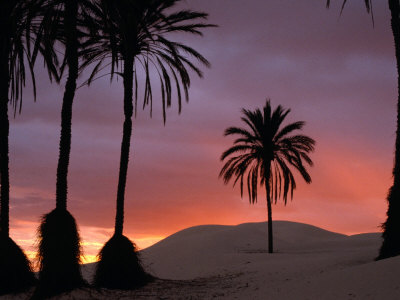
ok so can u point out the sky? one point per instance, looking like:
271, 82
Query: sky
337, 73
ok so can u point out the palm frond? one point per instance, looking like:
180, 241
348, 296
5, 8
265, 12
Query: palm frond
368, 6
234, 149
143, 30
265, 154
19, 23
288, 129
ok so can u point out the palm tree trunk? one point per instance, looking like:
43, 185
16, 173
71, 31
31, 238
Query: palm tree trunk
71, 52
391, 228
4, 162
126, 141
269, 206
4, 132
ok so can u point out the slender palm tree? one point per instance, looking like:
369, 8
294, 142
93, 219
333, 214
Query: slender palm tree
65, 23
266, 151
136, 35
16, 19
391, 227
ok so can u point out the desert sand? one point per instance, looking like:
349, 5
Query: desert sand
231, 262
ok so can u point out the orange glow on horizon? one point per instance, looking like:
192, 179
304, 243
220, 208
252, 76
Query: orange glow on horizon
92, 240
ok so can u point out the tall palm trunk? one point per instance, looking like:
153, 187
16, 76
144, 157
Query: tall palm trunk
4, 173
391, 234
59, 241
4, 123
126, 140
15, 271
71, 52
119, 266
269, 208
4, 133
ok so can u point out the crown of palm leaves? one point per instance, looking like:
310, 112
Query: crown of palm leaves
19, 22
267, 151
139, 29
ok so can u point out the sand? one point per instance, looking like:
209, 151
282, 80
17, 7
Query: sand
231, 262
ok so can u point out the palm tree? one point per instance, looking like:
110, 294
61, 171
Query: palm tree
136, 35
66, 22
266, 151
15, 24
391, 228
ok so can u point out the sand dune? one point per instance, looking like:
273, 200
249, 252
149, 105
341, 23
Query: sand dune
231, 262
213, 249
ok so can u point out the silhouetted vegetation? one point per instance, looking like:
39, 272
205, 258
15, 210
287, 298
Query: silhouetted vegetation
265, 153
64, 22
15, 26
15, 274
59, 254
391, 227
120, 269
134, 35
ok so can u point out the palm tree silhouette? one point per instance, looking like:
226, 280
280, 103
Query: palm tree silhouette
66, 22
391, 227
135, 36
15, 25
267, 152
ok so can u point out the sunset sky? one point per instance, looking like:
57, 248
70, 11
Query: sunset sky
336, 73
